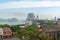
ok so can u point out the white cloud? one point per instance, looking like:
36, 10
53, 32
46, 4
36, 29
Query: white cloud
28, 4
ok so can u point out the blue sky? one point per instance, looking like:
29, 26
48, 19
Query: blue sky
26, 0
20, 8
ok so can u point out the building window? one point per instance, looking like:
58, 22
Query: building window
4, 32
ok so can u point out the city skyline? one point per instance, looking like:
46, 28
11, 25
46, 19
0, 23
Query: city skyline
20, 8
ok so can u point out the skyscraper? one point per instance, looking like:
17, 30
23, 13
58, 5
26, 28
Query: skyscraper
37, 18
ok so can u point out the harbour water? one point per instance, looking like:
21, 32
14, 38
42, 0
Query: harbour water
13, 23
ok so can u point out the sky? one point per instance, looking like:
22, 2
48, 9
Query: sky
46, 9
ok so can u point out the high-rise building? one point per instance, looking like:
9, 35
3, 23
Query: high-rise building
55, 19
13, 20
37, 18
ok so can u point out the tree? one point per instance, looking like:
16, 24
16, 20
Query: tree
4, 26
15, 34
50, 23
29, 34
15, 28
30, 27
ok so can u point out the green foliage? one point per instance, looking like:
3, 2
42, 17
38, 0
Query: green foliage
30, 35
15, 34
50, 23
31, 27
15, 28
29, 32
4, 26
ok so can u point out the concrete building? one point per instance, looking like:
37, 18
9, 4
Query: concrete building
58, 20
50, 31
